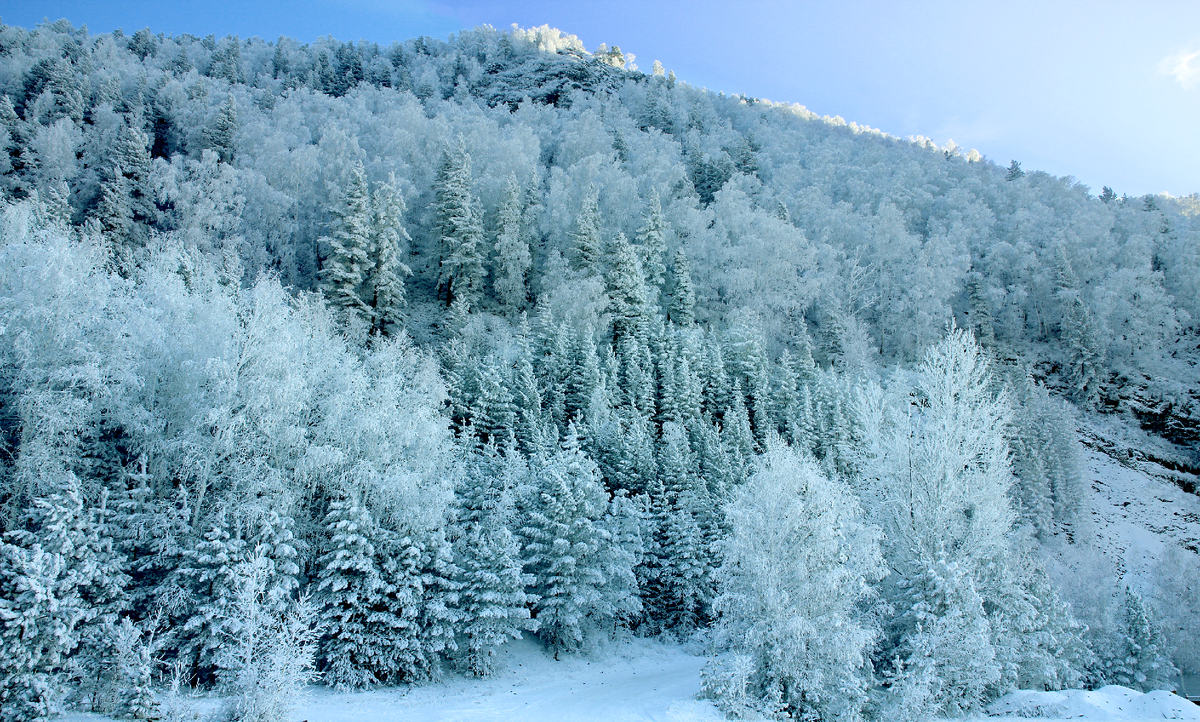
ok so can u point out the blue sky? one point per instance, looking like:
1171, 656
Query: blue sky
1107, 92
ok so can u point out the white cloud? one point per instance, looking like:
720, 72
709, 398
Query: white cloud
1184, 66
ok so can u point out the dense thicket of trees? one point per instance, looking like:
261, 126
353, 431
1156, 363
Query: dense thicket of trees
368, 359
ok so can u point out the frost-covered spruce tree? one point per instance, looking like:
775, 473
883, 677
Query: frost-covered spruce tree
492, 596
652, 243
351, 256
565, 546
351, 596
126, 678
1141, 661
1085, 356
459, 228
208, 571
39, 611
221, 133
1176, 599
688, 531
798, 563
1038, 642
440, 615
626, 285
512, 250
211, 570
948, 659
405, 657
682, 311
390, 242
1045, 459
493, 410
61, 584
588, 247
626, 523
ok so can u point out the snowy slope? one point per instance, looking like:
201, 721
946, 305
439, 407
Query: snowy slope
1137, 510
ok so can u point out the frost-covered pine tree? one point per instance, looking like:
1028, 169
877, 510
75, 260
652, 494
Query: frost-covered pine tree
459, 227
351, 256
209, 572
625, 282
512, 250
565, 545
492, 597
1085, 357
351, 597
390, 242
1045, 459
947, 661
40, 611
652, 243
588, 247
405, 656
61, 584
682, 311
1141, 661
214, 568
688, 531
220, 135
126, 679
798, 563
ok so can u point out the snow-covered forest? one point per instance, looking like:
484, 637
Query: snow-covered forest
359, 362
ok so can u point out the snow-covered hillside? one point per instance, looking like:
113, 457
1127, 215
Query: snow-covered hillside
366, 361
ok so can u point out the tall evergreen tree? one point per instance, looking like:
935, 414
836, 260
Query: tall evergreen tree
493, 600
566, 544
589, 248
351, 257
626, 286
390, 242
652, 243
221, 134
1085, 357
460, 228
358, 620
683, 296
62, 584
513, 260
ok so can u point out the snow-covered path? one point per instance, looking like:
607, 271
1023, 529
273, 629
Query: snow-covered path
640, 680
632, 680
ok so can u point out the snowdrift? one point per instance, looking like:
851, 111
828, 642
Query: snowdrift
1107, 703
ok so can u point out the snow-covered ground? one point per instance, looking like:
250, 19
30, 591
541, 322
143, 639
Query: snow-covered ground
636, 679
1115, 704
1135, 511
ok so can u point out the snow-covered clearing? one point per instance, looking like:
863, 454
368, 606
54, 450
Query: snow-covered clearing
637, 680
